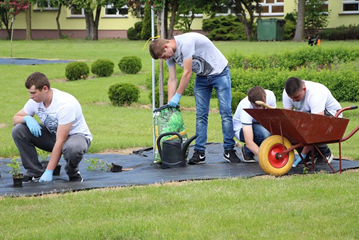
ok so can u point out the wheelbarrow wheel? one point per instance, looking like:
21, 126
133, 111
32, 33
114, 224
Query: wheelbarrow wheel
268, 156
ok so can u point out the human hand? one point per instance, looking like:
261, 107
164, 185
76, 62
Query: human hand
175, 100
46, 176
33, 125
298, 160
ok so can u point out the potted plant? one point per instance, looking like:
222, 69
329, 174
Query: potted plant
16, 172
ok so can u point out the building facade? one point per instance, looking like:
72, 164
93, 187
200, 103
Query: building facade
114, 23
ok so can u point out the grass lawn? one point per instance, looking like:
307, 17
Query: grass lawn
315, 206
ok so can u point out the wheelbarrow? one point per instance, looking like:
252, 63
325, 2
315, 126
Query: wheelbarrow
294, 129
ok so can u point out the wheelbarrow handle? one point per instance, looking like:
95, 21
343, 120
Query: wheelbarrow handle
344, 109
264, 104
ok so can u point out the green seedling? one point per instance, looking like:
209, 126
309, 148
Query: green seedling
96, 163
15, 166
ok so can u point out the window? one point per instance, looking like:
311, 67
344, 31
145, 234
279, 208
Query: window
272, 7
350, 6
111, 11
77, 12
48, 5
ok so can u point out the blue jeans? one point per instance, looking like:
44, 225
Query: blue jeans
202, 92
259, 135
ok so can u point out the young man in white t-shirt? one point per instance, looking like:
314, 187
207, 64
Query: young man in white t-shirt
246, 128
312, 97
195, 53
63, 130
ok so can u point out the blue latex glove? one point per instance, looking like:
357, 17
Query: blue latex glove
46, 176
33, 125
298, 160
175, 100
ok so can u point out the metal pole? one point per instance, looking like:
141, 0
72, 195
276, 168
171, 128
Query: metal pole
153, 79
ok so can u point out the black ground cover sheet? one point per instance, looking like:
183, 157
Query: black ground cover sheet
146, 172
29, 61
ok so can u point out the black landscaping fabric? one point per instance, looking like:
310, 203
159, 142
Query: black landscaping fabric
29, 61
146, 172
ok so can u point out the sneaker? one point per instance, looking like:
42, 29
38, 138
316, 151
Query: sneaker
246, 158
197, 158
328, 155
231, 156
76, 178
27, 179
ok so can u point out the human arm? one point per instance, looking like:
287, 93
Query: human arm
61, 137
31, 123
173, 95
248, 138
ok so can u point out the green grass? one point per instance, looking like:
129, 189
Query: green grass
315, 206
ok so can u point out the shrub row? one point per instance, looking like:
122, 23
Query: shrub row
350, 32
102, 68
294, 60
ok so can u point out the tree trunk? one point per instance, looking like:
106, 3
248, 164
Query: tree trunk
174, 10
5, 20
58, 22
88, 19
299, 31
95, 24
28, 24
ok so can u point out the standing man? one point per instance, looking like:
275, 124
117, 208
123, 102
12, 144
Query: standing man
312, 97
246, 128
194, 52
63, 130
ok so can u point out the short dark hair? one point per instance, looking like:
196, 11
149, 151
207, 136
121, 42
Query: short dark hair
293, 85
157, 47
37, 79
256, 93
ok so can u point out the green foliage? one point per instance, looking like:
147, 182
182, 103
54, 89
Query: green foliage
236, 98
122, 94
224, 28
146, 23
102, 67
290, 26
42, 154
95, 163
130, 64
157, 96
15, 167
133, 34
76, 71
316, 17
341, 33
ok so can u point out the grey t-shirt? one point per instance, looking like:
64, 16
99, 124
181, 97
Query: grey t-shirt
206, 58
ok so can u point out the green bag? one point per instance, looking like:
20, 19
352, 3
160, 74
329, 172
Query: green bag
167, 119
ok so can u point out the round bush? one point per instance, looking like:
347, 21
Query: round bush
130, 64
102, 67
123, 94
76, 71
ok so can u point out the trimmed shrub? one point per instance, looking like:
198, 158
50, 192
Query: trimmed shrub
102, 67
157, 96
341, 33
130, 64
224, 28
123, 94
76, 71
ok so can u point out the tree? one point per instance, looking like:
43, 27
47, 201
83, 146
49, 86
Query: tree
244, 10
316, 17
9, 9
299, 31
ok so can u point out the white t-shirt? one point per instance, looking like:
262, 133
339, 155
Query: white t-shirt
241, 117
317, 98
206, 58
63, 109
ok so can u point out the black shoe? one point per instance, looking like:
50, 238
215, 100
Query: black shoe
328, 155
197, 158
27, 179
231, 156
246, 158
76, 178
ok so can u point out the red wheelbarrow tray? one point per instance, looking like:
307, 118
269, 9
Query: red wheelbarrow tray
301, 127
